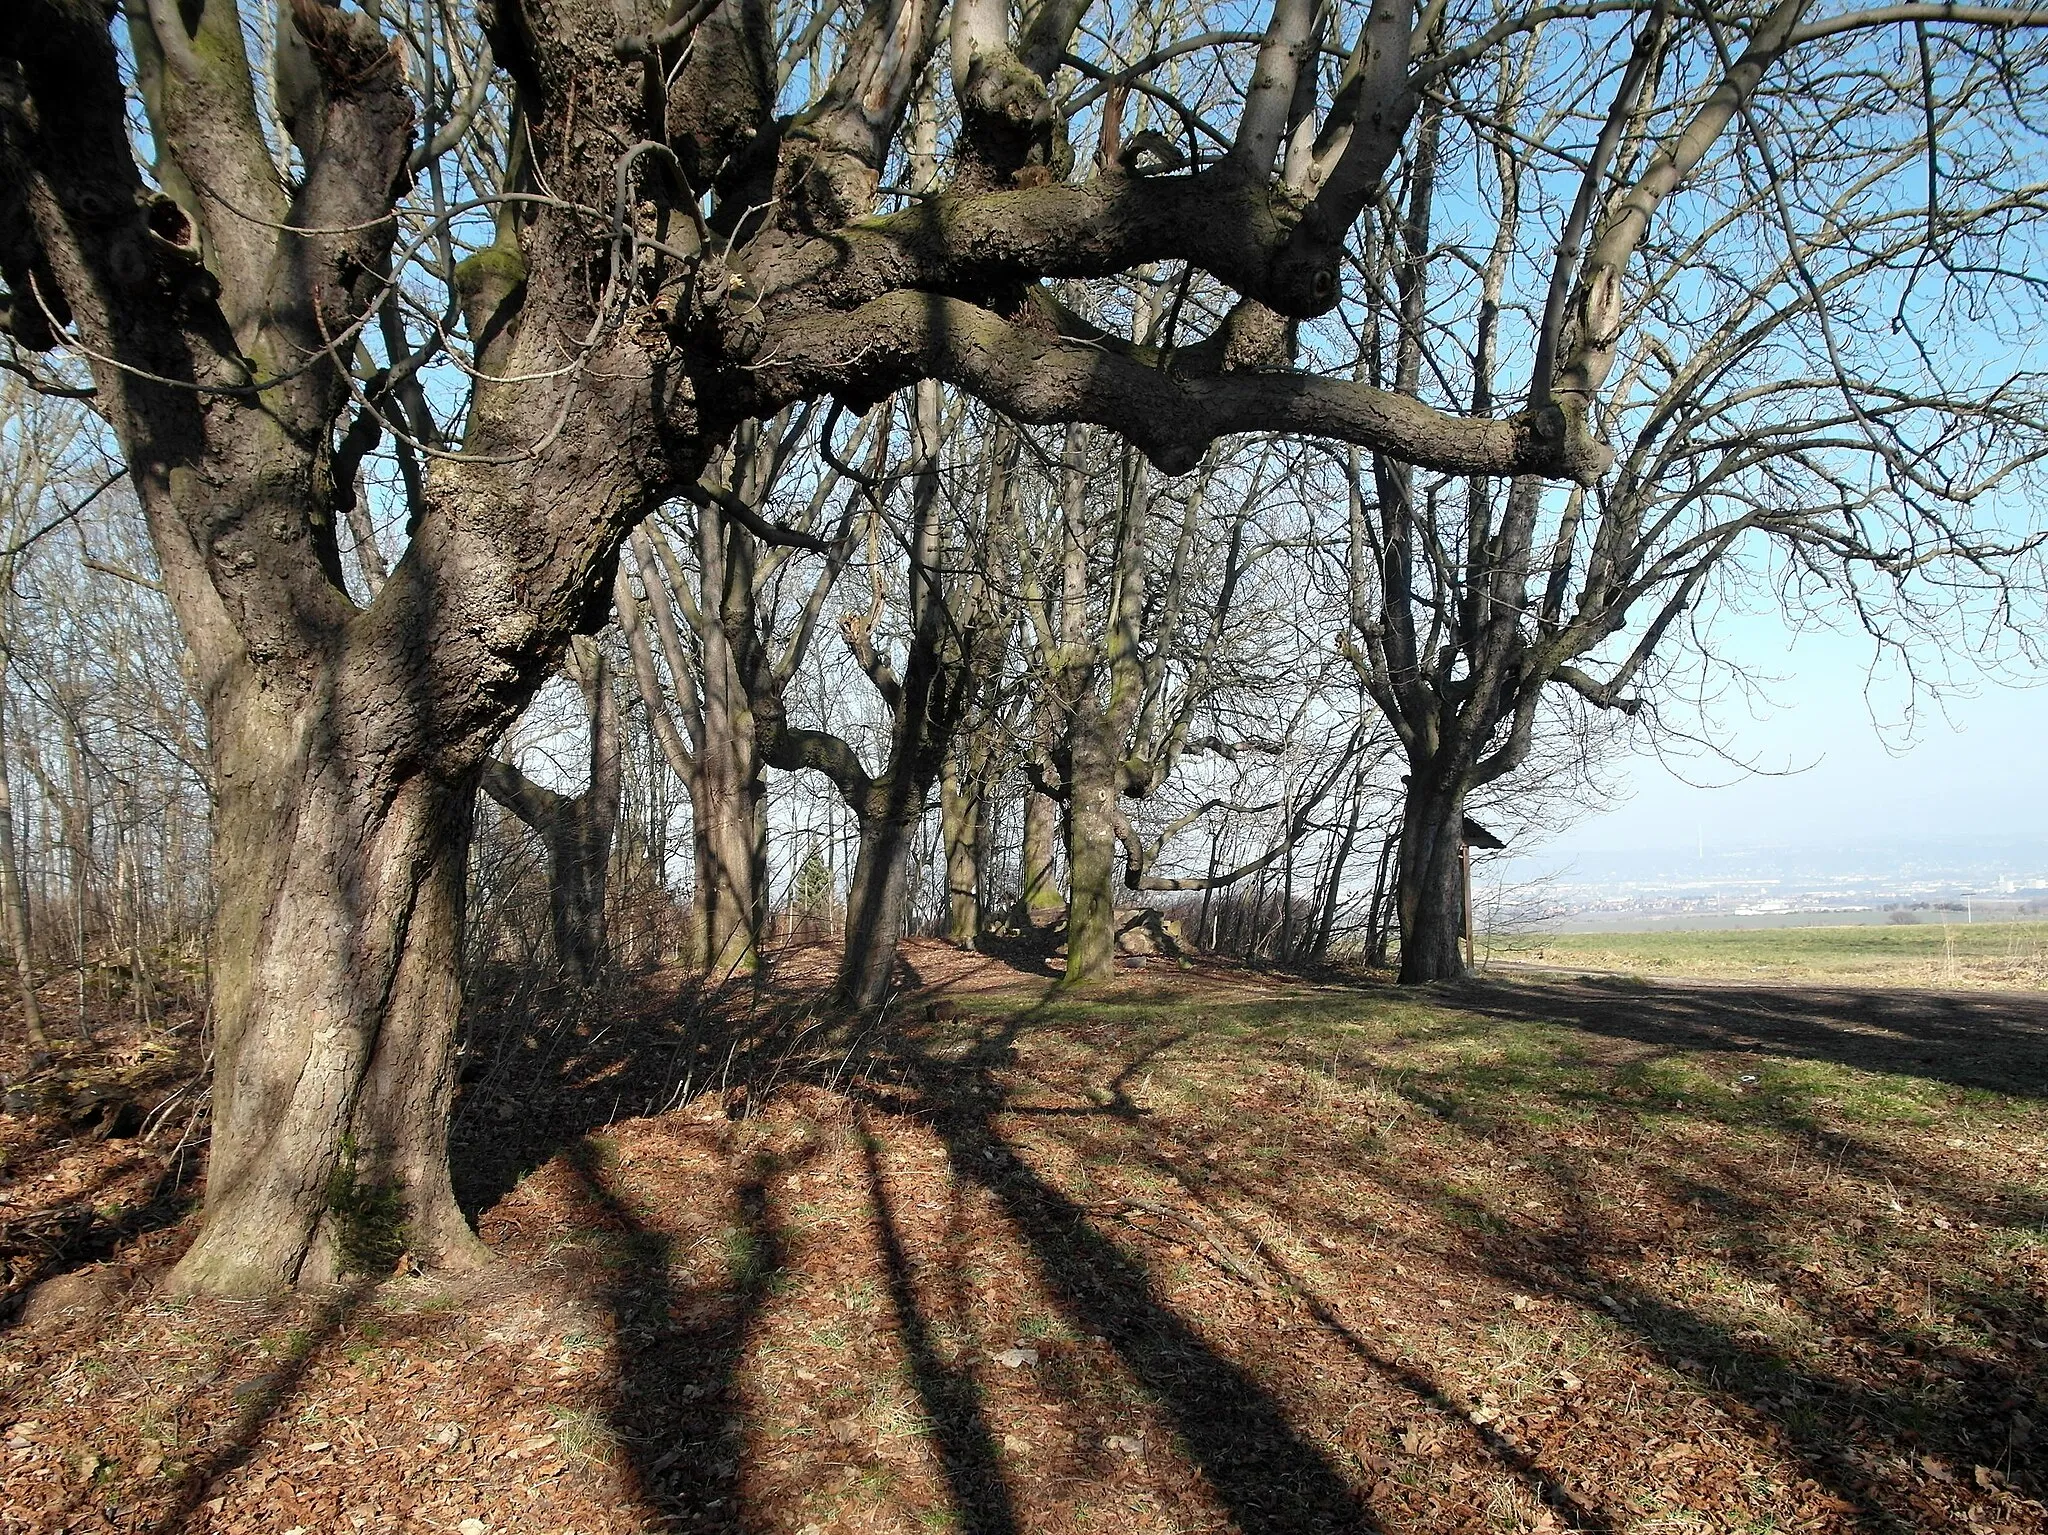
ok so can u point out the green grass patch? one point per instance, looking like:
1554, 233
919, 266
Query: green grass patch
1917, 953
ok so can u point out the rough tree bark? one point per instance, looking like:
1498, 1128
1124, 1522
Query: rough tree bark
1430, 891
1123, 718
877, 899
1093, 775
347, 742
962, 792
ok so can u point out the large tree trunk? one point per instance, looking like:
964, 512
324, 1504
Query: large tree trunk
337, 987
582, 845
579, 856
347, 739
1038, 888
726, 836
1091, 847
1431, 888
874, 909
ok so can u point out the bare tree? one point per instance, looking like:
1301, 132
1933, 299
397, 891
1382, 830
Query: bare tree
1139, 633
577, 828
663, 248
923, 700
722, 632
1803, 418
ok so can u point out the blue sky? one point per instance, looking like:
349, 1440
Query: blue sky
1970, 765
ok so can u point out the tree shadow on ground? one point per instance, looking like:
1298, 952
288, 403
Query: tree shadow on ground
1268, 1475
675, 1409
545, 1066
679, 1413
1939, 1403
1946, 1405
948, 1394
1988, 1041
263, 1403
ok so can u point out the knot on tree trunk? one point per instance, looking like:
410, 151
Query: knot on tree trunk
1007, 126
1562, 444
822, 186
349, 47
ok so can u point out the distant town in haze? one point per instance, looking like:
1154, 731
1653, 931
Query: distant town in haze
1879, 880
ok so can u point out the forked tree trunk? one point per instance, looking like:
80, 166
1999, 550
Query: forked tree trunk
1091, 847
577, 829
337, 987
874, 909
1431, 890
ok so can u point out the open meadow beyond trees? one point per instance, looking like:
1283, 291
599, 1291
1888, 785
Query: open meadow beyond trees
2002, 955
1207, 1250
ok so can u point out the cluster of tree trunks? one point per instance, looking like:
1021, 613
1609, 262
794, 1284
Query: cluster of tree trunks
675, 258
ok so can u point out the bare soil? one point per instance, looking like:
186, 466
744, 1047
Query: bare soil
1210, 1251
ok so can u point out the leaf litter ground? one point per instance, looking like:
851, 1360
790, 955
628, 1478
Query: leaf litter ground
1209, 1251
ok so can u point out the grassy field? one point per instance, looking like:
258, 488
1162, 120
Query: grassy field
1994, 954
1209, 1251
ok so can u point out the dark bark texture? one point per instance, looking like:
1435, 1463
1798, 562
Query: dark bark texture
1430, 889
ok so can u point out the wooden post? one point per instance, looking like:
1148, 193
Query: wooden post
1465, 857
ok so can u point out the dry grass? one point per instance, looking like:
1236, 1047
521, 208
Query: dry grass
1944, 955
1207, 1252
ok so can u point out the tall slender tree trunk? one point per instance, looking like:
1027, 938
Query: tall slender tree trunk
725, 813
960, 818
875, 906
337, 988
726, 794
1430, 887
78, 834
1091, 846
13, 904
1326, 924
1376, 923
1038, 889
1286, 939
